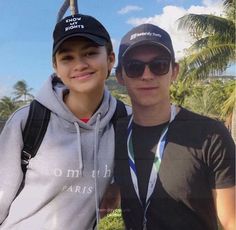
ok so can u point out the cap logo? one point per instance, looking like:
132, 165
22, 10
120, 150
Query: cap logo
73, 23
150, 34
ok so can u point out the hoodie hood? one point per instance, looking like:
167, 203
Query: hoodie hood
51, 96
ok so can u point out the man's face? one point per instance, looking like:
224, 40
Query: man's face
82, 65
150, 87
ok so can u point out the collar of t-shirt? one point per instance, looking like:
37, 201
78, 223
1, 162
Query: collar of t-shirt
85, 120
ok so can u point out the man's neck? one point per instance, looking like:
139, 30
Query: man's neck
153, 115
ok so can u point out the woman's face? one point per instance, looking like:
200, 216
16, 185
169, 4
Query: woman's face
82, 65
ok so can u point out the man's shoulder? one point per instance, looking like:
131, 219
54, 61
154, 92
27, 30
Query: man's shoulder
199, 124
193, 117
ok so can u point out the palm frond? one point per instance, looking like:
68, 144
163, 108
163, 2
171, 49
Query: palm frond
230, 103
229, 4
205, 23
210, 61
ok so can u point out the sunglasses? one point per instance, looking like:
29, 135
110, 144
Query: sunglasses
135, 68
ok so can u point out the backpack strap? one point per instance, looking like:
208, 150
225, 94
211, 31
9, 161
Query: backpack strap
35, 129
119, 112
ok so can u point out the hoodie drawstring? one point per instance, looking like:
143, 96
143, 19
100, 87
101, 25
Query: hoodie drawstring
96, 167
96, 133
79, 148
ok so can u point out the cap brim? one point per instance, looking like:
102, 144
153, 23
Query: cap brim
97, 40
146, 42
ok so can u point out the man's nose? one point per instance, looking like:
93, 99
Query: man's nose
147, 74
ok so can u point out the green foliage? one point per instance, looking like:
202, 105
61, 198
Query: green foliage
230, 102
113, 221
123, 97
117, 90
179, 91
113, 85
213, 98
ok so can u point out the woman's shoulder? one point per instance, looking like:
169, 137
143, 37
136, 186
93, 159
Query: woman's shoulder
19, 117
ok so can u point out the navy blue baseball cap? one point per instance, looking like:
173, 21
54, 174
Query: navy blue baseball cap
143, 35
79, 25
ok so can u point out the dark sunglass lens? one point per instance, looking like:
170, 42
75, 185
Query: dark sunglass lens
134, 68
160, 66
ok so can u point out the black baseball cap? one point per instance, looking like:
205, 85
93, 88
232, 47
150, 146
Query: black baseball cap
79, 25
143, 35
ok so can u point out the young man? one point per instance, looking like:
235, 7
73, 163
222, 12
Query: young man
66, 180
175, 168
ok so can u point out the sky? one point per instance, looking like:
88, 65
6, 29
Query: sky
27, 27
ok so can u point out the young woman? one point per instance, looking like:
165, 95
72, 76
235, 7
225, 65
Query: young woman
66, 180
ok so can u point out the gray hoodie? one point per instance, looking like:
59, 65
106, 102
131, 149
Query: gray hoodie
67, 178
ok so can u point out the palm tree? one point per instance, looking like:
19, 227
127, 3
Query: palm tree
21, 90
214, 48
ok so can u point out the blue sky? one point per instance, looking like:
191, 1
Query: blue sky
27, 26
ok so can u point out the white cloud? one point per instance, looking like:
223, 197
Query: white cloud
129, 9
168, 21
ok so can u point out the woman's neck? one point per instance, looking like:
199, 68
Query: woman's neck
83, 105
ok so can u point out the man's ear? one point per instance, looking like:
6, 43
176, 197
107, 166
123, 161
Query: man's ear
119, 76
111, 61
54, 64
175, 72
54, 67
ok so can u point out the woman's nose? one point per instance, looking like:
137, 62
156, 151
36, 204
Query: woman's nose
80, 63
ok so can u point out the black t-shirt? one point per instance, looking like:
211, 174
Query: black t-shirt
199, 156
145, 143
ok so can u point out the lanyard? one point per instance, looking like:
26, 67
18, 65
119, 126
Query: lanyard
156, 162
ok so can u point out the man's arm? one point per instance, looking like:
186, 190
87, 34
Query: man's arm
110, 201
225, 207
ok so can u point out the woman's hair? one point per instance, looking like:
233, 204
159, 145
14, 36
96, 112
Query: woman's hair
109, 48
